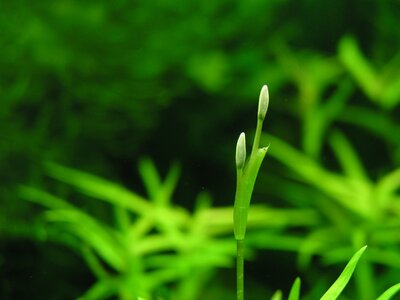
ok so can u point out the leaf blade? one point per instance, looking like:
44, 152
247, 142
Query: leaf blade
294, 293
390, 292
338, 286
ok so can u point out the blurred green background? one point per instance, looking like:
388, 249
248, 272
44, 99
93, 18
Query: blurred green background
123, 90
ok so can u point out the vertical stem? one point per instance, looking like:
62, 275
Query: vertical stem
240, 270
257, 136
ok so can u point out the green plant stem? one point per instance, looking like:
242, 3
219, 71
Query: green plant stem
257, 136
240, 270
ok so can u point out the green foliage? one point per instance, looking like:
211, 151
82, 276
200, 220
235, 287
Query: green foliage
95, 85
353, 209
151, 243
383, 88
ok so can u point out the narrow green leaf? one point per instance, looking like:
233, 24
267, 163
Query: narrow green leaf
150, 177
104, 241
277, 295
387, 187
389, 293
42, 198
102, 289
347, 157
122, 218
359, 67
340, 283
336, 186
391, 93
94, 263
244, 192
99, 188
320, 117
167, 188
295, 290
375, 122
158, 191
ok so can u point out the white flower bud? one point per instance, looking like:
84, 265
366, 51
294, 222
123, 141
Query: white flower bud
263, 103
241, 151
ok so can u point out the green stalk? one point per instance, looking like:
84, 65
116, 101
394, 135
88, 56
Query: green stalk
246, 178
257, 136
240, 269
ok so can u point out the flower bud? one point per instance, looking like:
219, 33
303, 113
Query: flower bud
263, 103
241, 151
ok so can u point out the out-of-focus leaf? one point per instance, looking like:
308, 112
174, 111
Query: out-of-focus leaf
122, 218
101, 238
277, 295
43, 198
387, 187
295, 290
100, 188
167, 188
94, 263
391, 94
316, 243
319, 118
102, 289
388, 257
379, 88
152, 243
348, 158
352, 58
351, 194
374, 121
150, 177
191, 286
274, 240
139, 228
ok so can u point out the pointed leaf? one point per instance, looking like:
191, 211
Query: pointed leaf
104, 240
43, 198
150, 177
99, 188
295, 290
346, 155
167, 188
340, 283
277, 295
389, 293
102, 289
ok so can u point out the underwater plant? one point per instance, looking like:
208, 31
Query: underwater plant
246, 176
154, 249
247, 172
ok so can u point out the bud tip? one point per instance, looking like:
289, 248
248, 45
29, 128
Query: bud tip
263, 102
241, 151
